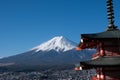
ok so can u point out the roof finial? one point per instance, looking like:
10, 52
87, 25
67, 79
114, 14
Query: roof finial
110, 14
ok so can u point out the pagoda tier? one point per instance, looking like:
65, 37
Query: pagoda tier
108, 68
107, 43
105, 61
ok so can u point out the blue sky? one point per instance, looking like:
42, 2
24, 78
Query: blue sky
25, 24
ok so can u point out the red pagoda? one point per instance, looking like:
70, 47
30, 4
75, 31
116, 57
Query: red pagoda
106, 60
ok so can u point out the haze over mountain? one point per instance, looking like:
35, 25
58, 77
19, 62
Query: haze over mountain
57, 51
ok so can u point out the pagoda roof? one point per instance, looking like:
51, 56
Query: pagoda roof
103, 62
106, 34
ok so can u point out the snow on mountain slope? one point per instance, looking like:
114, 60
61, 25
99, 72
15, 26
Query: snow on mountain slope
58, 44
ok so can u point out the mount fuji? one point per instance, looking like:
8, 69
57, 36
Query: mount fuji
57, 51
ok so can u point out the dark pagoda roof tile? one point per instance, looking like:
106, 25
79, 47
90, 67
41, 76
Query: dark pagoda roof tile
102, 61
105, 34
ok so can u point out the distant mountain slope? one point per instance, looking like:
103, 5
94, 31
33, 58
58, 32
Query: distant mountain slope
57, 51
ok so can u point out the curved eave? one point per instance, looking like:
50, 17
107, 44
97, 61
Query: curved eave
102, 62
103, 35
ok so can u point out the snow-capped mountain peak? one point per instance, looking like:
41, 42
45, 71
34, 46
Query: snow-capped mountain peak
58, 44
